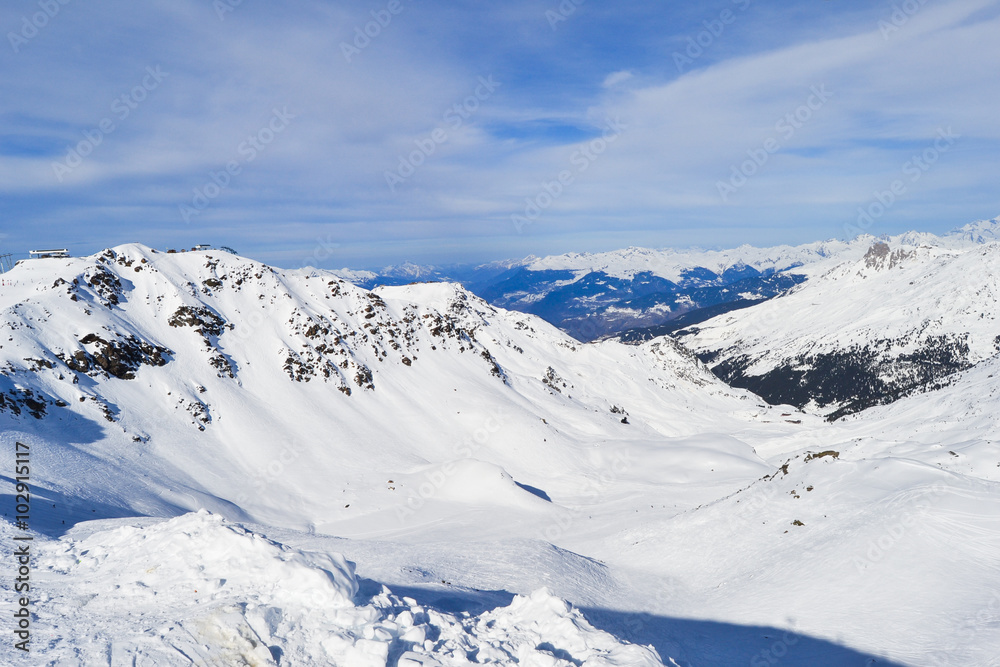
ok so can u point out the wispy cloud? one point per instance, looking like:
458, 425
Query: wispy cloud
615, 78
325, 174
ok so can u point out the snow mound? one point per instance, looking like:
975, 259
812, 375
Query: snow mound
202, 558
203, 591
546, 631
474, 482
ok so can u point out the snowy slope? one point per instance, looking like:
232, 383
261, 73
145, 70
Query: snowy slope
463, 455
199, 590
896, 502
137, 360
901, 318
954, 428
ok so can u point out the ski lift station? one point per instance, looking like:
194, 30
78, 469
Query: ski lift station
45, 254
7, 263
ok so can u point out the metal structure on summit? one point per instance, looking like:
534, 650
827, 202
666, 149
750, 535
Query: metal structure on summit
209, 246
59, 253
7, 261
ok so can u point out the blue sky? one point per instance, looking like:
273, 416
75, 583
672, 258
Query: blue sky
471, 131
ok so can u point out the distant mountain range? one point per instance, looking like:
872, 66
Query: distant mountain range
640, 293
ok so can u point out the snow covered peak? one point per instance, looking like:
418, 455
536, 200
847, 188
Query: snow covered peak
899, 317
354, 276
444, 296
982, 231
409, 270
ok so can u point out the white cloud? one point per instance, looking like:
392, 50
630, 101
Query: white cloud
615, 78
354, 120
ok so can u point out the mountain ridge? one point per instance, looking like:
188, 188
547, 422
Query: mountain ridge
642, 291
902, 318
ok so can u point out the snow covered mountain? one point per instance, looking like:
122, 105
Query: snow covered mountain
981, 231
140, 351
902, 318
641, 293
148, 383
594, 295
589, 304
480, 465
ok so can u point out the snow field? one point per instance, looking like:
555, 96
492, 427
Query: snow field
199, 590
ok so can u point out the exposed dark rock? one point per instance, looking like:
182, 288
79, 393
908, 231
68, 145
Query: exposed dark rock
119, 358
17, 400
202, 320
106, 284
880, 256
495, 369
364, 378
552, 380
209, 326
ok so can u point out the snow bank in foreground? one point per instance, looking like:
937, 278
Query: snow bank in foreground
198, 590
